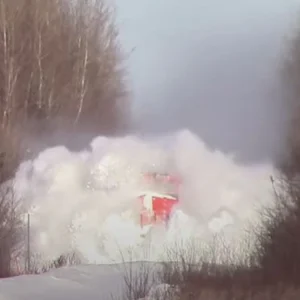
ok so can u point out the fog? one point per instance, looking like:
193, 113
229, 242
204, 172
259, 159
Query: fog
210, 66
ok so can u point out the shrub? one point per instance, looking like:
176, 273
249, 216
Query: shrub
10, 231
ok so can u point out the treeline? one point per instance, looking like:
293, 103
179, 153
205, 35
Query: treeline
60, 72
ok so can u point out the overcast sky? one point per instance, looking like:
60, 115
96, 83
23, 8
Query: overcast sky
210, 66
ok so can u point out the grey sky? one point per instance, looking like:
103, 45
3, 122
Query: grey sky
210, 66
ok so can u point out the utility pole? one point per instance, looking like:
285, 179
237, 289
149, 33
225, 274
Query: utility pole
28, 244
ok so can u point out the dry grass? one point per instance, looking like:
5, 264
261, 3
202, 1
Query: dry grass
269, 293
182, 279
64, 260
277, 252
139, 277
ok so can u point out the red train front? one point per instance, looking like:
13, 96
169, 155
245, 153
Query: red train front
158, 200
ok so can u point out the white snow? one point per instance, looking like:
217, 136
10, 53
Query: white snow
99, 282
76, 283
86, 202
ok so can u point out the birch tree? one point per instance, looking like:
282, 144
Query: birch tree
60, 71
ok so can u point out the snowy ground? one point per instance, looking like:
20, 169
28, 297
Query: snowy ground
71, 283
82, 282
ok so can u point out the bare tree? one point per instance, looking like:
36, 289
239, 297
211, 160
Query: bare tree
290, 163
278, 248
10, 230
60, 70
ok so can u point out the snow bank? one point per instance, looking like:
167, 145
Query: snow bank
74, 283
99, 282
